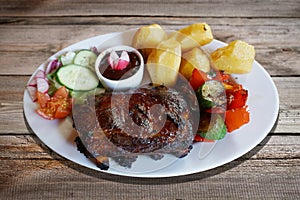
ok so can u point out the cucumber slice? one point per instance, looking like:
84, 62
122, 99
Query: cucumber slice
67, 58
212, 93
213, 127
86, 58
76, 77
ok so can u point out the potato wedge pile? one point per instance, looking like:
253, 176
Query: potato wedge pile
167, 55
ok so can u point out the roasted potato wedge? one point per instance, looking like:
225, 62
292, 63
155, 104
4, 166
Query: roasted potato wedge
195, 58
148, 37
235, 58
192, 36
164, 61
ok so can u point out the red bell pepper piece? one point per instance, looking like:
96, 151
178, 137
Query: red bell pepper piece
235, 118
198, 78
236, 98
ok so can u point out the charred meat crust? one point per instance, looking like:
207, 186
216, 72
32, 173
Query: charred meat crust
151, 120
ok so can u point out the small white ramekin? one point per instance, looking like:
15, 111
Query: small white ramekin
124, 84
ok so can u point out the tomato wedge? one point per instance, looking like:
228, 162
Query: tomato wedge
61, 92
42, 99
43, 113
64, 109
57, 107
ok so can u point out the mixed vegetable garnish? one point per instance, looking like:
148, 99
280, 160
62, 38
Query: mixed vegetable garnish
69, 76
222, 103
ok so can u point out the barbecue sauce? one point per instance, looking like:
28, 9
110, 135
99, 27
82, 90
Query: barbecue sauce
108, 72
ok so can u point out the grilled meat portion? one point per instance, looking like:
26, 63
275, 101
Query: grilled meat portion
150, 120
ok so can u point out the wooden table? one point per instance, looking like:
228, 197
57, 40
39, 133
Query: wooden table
31, 31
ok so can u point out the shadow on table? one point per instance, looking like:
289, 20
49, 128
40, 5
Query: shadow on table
179, 179
168, 180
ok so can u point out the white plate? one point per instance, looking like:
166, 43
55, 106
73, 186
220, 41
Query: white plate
263, 105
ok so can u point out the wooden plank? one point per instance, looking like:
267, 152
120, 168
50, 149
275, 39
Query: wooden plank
11, 105
24, 48
269, 8
224, 29
22, 147
287, 88
145, 20
288, 120
12, 118
32, 179
34, 171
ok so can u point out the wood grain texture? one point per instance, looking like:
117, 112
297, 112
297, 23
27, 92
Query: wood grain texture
144, 20
68, 183
228, 8
51, 179
260, 170
23, 49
